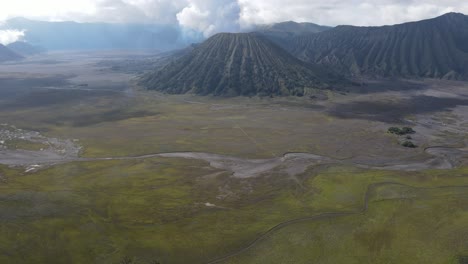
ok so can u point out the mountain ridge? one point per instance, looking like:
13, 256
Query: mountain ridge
7, 54
24, 49
70, 35
433, 48
291, 27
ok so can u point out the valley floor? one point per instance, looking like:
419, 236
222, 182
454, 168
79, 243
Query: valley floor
96, 170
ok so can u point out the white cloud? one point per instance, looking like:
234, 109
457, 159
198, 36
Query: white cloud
352, 12
46, 9
10, 36
211, 16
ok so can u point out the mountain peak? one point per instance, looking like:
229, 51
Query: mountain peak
234, 64
292, 27
452, 16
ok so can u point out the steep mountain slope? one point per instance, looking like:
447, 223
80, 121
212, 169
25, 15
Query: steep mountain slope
8, 55
237, 64
435, 48
24, 49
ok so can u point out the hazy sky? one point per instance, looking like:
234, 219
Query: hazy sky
212, 16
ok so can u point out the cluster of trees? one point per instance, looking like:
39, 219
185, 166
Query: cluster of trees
401, 132
408, 144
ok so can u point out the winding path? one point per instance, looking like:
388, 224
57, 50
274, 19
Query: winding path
443, 157
321, 216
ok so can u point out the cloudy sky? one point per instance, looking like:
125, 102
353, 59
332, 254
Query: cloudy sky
212, 16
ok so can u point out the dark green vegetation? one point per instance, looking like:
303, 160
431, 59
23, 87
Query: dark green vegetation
434, 48
408, 144
239, 64
401, 131
24, 49
8, 55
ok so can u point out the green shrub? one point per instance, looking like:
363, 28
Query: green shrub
401, 131
408, 144
408, 130
394, 130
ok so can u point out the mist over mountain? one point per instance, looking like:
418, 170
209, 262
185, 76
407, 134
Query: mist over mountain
25, 49
101, 36
433, 48
282, 33
289, 29
238, 64
8, 55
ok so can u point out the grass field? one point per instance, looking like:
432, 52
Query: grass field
101, 212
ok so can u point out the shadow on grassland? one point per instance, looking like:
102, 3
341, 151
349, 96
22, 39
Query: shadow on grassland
83, 120
369, 86
42, 98
395, 111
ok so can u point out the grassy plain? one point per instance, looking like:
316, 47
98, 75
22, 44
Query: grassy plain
154, 209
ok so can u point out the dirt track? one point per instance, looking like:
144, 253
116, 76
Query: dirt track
290, 163
321, 216
62, 151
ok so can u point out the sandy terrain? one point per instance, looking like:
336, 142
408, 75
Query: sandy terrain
437, 110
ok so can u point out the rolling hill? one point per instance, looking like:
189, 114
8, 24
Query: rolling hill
234, 64
24, 49
433, 48
8, 55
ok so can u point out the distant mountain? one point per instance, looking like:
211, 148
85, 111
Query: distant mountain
148, 63
290, 28
8, 55
284, 31
238, 64
24, 49
434, 48
101, 36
